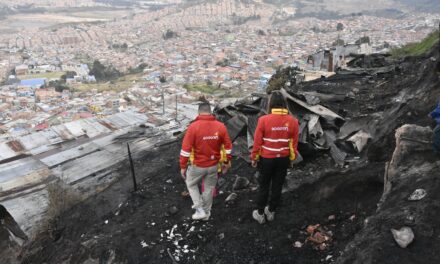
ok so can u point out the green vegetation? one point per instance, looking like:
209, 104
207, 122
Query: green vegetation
103, 73
415, 49
362, 40
281, 78
339, 42
120, 47
201, 87
169, 34
59, 87
223, 63
240, 20
340, 27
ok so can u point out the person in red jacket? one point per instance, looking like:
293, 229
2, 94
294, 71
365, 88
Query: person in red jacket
275, 144
202, 147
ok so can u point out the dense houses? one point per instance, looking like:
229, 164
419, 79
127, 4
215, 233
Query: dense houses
32, 105
207, 48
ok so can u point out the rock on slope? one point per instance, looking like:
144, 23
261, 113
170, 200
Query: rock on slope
413, 166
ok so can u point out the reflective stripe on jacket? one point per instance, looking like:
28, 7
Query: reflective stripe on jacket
276, 136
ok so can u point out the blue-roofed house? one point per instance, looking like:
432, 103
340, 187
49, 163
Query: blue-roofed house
34, 83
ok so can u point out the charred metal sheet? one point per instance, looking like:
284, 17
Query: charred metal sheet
313, 120
231, 112
248, 108
316, 109
298, 112
264, 105
359, 140
366, 123
235, 126
303, 132
314, 127
321, 143
337, 154
314, 98
252, 124
240, 148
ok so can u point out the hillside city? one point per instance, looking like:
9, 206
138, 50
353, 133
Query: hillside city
159, 59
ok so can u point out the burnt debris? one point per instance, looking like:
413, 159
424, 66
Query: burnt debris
321, 129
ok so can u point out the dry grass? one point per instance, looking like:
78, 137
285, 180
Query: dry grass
119, 85
61, 198
48, 75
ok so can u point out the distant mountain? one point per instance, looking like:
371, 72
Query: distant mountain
432, 6
326, 8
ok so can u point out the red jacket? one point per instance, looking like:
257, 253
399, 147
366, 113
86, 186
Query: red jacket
276, 136
203, 143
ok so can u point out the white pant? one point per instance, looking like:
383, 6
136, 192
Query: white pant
194, 176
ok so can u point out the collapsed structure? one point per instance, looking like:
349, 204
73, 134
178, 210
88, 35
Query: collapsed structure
320, 128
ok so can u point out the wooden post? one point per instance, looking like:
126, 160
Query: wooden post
132, 167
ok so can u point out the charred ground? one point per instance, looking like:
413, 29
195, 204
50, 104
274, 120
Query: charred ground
230, 237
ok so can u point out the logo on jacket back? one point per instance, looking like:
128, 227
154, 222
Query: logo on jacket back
214, 137
284, 128
280, 129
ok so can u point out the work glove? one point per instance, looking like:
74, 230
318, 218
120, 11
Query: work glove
298, 159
